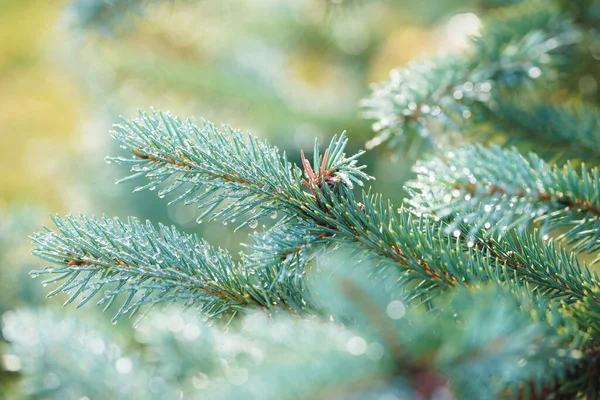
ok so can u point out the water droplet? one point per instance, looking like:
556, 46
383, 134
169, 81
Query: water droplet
114, 322
152, 188
274, 215
34, 275
456, 233
224, 222
253, 223
199, 220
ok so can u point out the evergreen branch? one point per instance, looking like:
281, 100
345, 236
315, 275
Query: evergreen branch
149, 266
214, 166
522, 378
435, 258
495, 189
464, 337
486, 341
255, 176
422, 250
546, 266
425, 253
573, 127
517, 45
286, 246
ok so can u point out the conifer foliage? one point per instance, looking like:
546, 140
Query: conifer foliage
475, 288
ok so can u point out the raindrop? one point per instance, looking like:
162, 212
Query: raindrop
253, 223
274, 215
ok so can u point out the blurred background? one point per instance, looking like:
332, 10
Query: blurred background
286, 70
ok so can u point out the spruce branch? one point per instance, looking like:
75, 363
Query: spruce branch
516, 46
545, 265
217, 166
422, 249
147, 266
285, 246
252, 175
573, 128
495, 189
490, 340
320, 209
433, 258
464, 337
